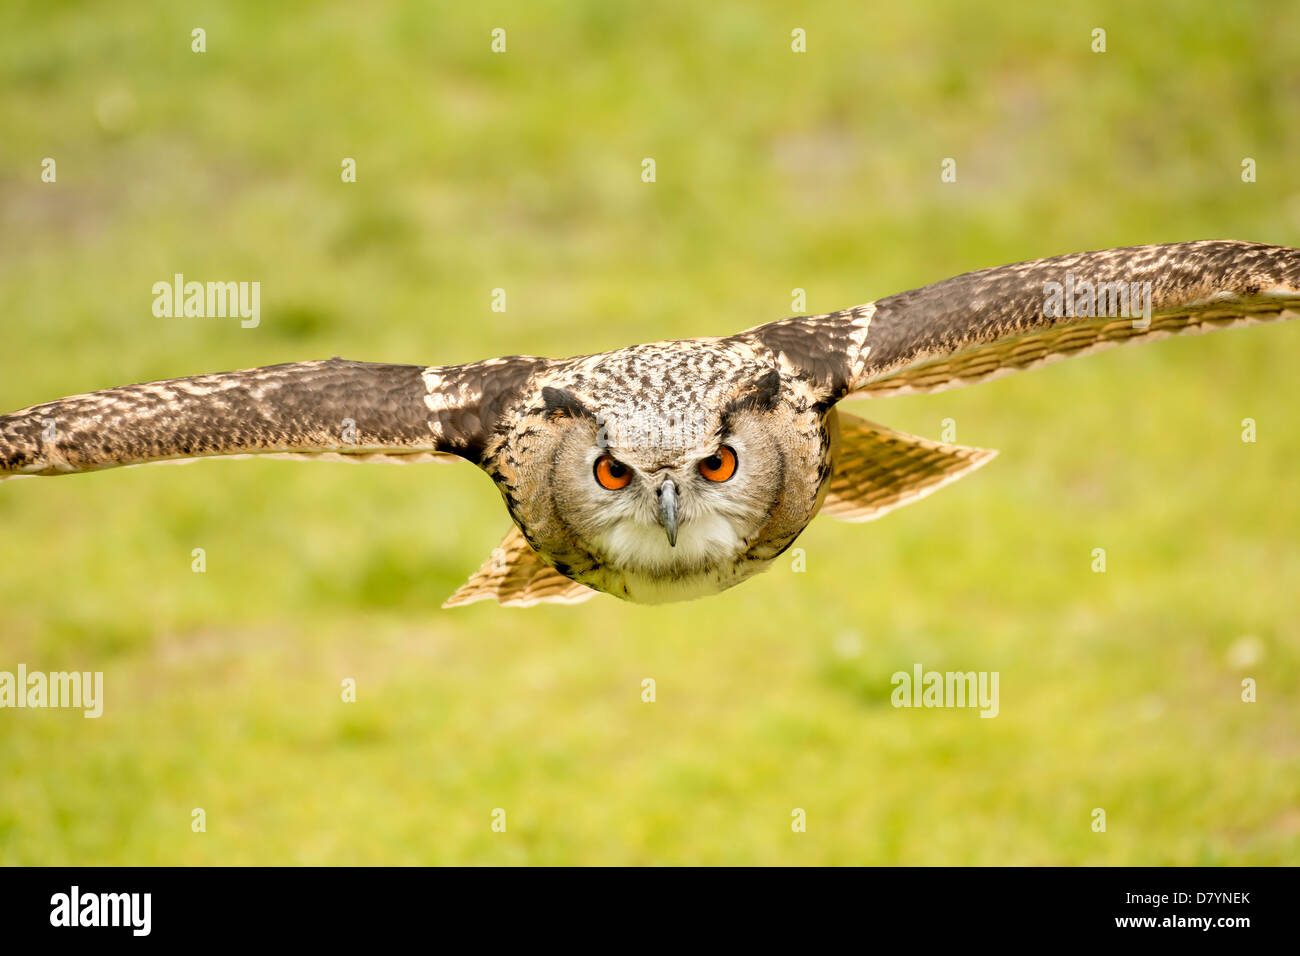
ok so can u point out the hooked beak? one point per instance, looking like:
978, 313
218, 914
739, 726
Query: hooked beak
668, 510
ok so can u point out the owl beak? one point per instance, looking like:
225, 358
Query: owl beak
668, 510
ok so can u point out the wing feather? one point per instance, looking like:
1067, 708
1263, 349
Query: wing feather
993, 322
516, 577
333, 409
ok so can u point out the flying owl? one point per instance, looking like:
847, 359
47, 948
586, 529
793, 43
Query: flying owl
673, 470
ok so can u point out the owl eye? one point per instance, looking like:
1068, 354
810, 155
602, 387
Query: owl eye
721, 466
612, 474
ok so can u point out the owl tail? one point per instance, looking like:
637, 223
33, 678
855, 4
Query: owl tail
878, 469
515, 576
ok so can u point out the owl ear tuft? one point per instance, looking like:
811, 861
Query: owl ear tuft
759, 395
562, 403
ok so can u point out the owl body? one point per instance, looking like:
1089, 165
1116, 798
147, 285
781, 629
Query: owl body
660, 411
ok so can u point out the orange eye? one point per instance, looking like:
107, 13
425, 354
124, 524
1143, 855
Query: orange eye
612, 474
721, 466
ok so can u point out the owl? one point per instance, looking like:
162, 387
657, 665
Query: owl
674, 470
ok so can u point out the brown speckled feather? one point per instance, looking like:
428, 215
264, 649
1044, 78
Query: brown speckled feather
330, 409
878, 469
990, 323
515, 576
986, 324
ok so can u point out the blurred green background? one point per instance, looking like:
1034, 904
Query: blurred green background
522, 171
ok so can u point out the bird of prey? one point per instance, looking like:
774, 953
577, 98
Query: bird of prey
674, 470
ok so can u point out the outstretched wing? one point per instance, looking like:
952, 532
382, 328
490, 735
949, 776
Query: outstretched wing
330, 409
990, 323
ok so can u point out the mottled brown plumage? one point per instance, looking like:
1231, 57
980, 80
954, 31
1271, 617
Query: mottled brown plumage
666, 413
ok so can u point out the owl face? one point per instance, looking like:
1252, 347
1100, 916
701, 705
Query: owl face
671, 500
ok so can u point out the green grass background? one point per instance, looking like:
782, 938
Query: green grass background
522, 171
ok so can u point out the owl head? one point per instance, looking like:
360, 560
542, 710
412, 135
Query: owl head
669, 492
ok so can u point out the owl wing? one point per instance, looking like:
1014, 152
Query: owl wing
516, 576
330, 409
987, 324
878, 469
